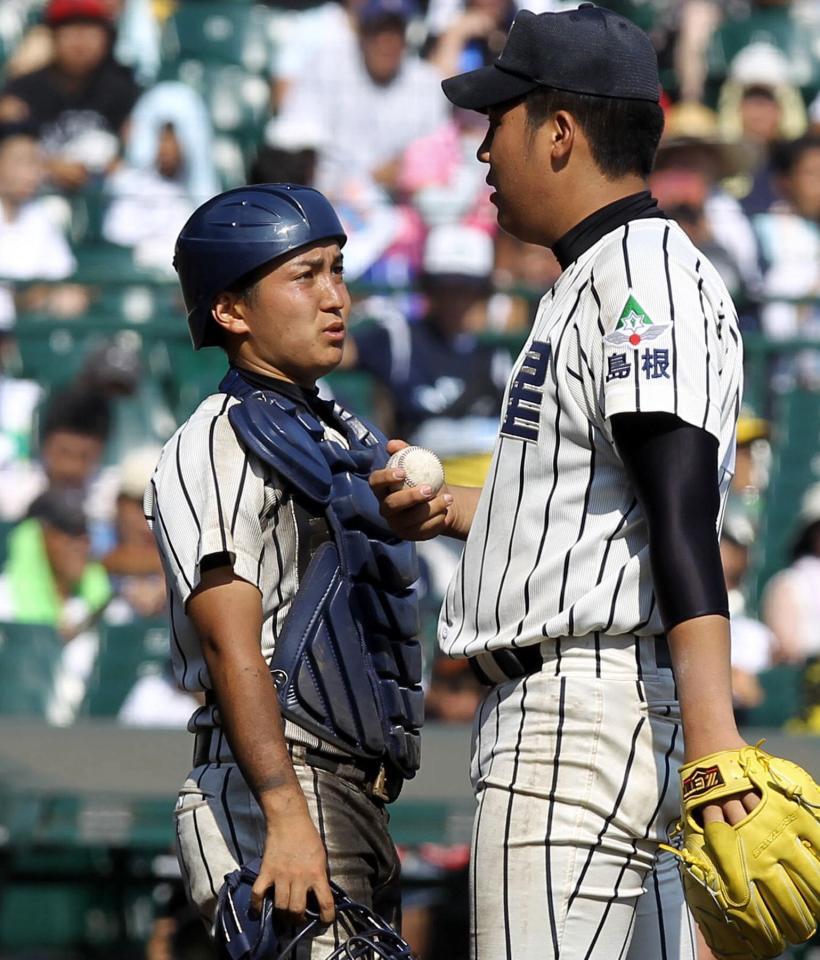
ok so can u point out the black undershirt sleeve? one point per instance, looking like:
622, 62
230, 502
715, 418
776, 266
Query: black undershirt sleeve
673, 469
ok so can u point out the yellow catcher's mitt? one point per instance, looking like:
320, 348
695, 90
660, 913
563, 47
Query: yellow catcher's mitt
755, 886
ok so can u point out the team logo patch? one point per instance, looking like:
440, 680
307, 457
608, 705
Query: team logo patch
634, 326
701, 780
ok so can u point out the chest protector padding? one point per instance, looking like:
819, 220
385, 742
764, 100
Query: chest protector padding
347, 664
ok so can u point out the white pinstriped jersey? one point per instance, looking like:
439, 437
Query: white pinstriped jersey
558, 547
209, 495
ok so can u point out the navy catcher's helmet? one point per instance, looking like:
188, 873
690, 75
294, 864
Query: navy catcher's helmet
241, 936
239, 231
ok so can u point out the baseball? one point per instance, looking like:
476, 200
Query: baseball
421, 465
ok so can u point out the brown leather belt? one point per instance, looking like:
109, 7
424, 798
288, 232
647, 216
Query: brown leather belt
379, 781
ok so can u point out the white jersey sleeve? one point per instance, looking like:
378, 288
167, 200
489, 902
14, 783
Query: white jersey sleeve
658, 344
208, 496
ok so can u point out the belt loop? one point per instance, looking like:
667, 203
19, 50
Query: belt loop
298, 753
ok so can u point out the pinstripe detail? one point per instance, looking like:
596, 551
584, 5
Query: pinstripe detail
480, 810
183, 866
621, 524
524, 447
487, 533
511, 800
661, 931
665, 247
213, 471
202, 853
584, 511
627, 860
554, 360
320, 826
706, 339
611, 816
168, 540
537, 592
182, 485
597, 299
238, 493
551, 890
227, 810
628, 936
175, 638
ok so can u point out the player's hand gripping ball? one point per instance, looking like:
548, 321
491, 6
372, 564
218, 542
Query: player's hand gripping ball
421, 466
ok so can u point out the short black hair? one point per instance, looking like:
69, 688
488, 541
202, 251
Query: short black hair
76, 410
623, 135
795, 149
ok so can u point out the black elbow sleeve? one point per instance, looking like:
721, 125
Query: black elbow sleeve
673, 468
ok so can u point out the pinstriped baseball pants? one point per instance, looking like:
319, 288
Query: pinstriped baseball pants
575, 774
220, 825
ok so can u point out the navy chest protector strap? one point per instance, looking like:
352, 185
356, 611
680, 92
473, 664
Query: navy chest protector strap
347, 664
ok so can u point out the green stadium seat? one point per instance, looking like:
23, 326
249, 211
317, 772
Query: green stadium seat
127, 652
795, 441
219, 33
29, 654
775, 25
6, 526
196, 375
355, 390
783, 697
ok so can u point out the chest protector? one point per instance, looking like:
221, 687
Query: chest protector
347, 664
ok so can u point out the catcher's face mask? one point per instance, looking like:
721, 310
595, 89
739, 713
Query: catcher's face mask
243, 936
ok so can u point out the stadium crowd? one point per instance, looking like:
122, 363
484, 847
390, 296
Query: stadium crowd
117, 117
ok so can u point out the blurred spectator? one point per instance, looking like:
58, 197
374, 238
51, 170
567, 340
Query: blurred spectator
134, 562
698, 20
454, 693
80, 101
473, 37
328, 31
446, 386
524, 273
440, 177
791, 26
155, 700
167, 173
752, 460
682, 195
791, 602
691, 141
32, 247
759, 106
790, 244
369, 108
113, 369
138, 38
50, 579
73, 432
752, 642
19, 399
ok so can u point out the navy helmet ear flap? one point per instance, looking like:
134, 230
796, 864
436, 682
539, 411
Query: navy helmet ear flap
241, 934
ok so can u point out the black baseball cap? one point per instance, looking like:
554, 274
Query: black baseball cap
588, 50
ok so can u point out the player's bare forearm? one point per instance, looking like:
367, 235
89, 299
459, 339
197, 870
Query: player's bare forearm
227, 614
700, 656
703, 676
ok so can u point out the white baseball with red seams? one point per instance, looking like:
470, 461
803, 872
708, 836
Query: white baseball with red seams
422, 467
